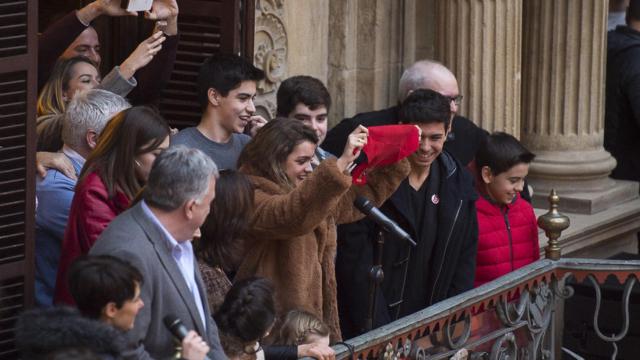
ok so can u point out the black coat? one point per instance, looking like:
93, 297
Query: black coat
463, 141
622, 105
452, 265
41, 332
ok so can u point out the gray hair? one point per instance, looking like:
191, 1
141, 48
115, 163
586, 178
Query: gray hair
418, 76
179, 174
89, 110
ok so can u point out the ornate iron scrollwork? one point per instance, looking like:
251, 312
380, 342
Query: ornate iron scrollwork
448, 341
628, 286
504, 348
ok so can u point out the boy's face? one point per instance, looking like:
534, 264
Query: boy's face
124, 317
237, 107
431, 143
315, 119
502, 188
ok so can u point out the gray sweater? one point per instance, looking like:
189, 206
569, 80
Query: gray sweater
225, 155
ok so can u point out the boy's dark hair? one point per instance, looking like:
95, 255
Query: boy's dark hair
500, 152
301, 89
424, 106
224, 72
95, 281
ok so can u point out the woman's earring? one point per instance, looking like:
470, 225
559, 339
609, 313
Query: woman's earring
137, 163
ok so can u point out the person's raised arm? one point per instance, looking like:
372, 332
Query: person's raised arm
164, 11
381, 183
102, 7
55, 40
142, 55
153, 78
319, 193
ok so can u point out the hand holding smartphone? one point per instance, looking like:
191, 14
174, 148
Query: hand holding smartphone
136, 5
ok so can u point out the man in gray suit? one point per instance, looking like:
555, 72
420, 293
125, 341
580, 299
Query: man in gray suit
155, 236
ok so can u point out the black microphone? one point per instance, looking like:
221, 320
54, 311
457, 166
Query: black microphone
177, 328
388, 225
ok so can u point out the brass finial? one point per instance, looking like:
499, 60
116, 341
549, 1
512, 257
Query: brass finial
553, 223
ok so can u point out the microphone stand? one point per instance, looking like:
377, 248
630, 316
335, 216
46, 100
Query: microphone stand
376, 276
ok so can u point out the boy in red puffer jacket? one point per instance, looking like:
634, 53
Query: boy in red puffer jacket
508, 233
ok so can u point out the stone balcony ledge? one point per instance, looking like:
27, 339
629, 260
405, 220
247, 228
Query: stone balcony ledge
599, 235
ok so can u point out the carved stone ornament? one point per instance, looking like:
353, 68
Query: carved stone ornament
270, 50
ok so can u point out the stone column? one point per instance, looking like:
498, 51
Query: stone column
563, 69
479, 41
365, 55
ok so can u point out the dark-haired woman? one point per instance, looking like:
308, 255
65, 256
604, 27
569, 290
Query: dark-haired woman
245, 317
293, 226
112, 176
220, 248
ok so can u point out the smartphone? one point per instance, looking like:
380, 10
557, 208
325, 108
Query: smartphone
136, 5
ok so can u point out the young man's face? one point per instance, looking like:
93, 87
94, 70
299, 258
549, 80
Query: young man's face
237, 107
502, 188
86, 44
431, 143
315, 119
125, 317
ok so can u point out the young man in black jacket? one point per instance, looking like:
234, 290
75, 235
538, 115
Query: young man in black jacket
436, 206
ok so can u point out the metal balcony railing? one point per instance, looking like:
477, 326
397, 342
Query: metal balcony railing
513, 317
517, 316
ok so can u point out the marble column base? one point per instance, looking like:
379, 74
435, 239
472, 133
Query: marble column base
575, 200
581, 180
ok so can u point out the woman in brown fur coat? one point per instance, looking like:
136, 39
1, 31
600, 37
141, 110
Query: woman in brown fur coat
293, 225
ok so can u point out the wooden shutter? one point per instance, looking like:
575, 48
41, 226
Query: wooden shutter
206, 27
18, 26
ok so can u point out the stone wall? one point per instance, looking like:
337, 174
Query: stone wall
526, 67
359, 48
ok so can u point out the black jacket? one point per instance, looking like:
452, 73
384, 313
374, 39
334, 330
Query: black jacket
622, 105
452, 265
463, 141
40, 332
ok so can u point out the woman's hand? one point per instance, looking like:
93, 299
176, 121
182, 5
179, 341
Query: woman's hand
142, 55
165, 13
356, 141
316, 350
162, 10
58, 161
193, 347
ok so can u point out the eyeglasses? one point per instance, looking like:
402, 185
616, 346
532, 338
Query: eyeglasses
456, 99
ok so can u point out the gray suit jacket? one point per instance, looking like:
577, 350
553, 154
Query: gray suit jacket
134, 237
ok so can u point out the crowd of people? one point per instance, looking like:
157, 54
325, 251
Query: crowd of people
238, 238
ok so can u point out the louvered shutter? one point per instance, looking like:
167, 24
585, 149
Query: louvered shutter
206, 27
18, 24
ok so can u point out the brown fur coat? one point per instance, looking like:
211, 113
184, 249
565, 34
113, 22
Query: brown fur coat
295, 235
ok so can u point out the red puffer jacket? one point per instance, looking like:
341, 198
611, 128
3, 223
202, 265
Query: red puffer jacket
91, 211
507, 239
